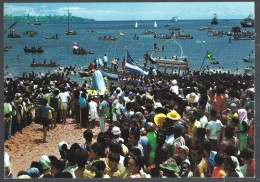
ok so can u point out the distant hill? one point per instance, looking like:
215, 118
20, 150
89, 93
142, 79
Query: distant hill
47, 18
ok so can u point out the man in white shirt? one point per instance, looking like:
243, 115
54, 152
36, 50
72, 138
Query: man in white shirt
174, 88
7, 166
105, 61
93, 111
64, 101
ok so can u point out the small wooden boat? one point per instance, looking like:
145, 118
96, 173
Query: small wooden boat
51, 37
13, 35
82, 51
8, 48
216, 34
174, 28
136, 37
183, 36
249, 60
37, 23
44, 65
106, 38
33, 50
121, 34
86, 73
28, 32
91, 31
166, 36
149, 32
205, 29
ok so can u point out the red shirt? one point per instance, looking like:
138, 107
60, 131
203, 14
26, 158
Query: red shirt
218, 172
250, 170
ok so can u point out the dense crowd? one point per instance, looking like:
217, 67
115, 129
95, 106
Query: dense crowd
194, 125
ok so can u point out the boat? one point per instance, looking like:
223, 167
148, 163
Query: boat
245, 35
30, 32
106, 38
248, 22
249, 59
136, 25
44, 65
174, 62
82, 51
161, 36
155, 24
70, 32
13, 35
121, 34
33, 50
205, 29
92, 31
174, 19
8, 48
214, 20
149, 32
110, 73
53, 38
37, 22
174, 28
136, 37
250, 69
214, 62
216, 34
183, 36
86, 73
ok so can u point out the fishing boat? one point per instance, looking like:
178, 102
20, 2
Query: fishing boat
37, 22
86, 73
245, 35
216, 34
53, 38
205, 29
70, 32
183, 35
13, 35
248, 22
44, 65
214, 20
92, 31
155, 24
174, 28
106, 38
30, 32
249, 59
136, 25
33, 50
82, 51
149, 32
161, 36
8, 48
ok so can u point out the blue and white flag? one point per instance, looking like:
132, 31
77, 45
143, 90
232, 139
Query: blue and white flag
131, 66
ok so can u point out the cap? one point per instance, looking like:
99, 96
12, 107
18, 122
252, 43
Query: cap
61, 144
233, 105
33, 172
116, 130
45, 162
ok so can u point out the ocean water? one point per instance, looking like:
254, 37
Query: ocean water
61, 50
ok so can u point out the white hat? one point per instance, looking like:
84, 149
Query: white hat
61, 144
192, 98
174, 82
116, 130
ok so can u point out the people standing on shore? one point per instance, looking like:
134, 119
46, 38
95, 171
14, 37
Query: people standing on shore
105, 60
64, 101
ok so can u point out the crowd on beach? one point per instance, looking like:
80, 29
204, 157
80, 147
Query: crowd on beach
198, 124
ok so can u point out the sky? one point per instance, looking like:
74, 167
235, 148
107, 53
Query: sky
136, 11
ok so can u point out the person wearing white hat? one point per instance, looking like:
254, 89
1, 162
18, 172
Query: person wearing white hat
46, 165
192, 98
174, 88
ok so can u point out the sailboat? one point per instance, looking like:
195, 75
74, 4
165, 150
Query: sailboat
155, 24
214, 20
174, 19
136, 25
70, 32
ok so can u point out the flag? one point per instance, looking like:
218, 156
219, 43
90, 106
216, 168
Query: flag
75, 45
131, 66
210, 56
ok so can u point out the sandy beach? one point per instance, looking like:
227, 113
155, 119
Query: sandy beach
28, 146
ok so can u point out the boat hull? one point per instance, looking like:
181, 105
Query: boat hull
44, 65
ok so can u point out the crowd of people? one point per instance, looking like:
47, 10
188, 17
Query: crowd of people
194, 125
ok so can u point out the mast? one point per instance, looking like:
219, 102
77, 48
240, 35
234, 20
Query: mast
68, 21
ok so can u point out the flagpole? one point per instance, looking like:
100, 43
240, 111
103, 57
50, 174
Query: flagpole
203, 60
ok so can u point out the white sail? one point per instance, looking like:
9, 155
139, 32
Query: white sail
136, 25
155, 24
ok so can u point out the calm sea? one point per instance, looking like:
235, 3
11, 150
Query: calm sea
61, 50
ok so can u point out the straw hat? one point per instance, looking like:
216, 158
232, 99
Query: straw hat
159, 119
192, 98
148, 96
174, 82
173, 115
